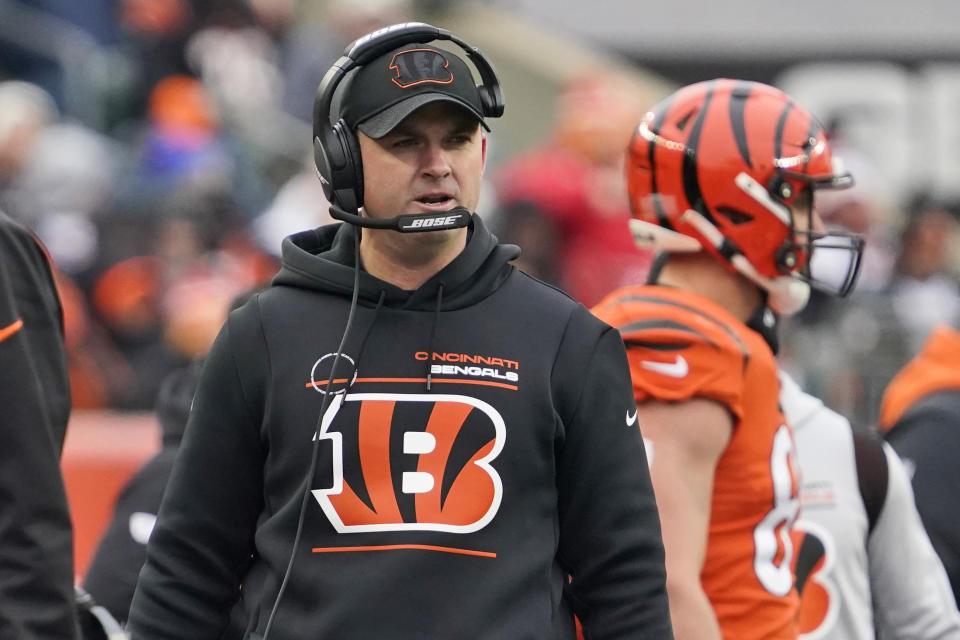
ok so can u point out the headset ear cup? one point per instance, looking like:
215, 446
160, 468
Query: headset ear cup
322, 162
491, 100
351, 146
337, 161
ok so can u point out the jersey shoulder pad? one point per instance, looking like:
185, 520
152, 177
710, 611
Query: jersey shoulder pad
679, 344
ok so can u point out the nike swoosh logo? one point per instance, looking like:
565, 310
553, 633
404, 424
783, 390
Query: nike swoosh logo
631, 418
676, 369
10, 329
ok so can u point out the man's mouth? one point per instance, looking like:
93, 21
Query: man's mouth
436, 201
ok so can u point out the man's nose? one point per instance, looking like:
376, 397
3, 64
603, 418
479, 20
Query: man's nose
436, 160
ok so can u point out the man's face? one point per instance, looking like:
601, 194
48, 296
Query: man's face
432, 161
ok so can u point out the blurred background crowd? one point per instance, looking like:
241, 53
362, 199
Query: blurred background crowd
160, 150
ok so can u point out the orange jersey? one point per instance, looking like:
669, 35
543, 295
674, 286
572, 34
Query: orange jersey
680, 346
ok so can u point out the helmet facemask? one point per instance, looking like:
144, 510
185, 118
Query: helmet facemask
827, 259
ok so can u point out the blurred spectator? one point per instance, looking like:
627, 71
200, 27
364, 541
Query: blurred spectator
66, 183
163, 308
25, 109
59, 45
126, 298
236, 60
36, 538
112, 575
924, 292
196, 299
920, 416
155, 37
179, 145
565, 203
95, 367
298, 205
185, 142
308, 45
57, 177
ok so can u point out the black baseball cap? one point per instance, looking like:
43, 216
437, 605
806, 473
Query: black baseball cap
389, 88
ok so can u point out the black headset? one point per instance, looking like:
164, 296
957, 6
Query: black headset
336, 150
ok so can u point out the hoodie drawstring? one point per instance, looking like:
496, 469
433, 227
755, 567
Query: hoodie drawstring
433, 335
366, 334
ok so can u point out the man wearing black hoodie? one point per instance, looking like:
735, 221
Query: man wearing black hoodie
36, 539
447, 455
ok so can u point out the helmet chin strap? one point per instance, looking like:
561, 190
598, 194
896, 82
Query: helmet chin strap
785, 295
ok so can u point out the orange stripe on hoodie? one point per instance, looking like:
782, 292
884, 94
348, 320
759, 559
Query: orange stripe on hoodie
10, 329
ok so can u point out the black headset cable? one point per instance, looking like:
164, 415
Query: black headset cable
308, 481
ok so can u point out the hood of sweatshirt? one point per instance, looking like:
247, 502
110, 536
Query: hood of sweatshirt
798, 407
322, 259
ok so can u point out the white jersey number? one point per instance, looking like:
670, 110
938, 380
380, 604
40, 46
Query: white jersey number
773, 549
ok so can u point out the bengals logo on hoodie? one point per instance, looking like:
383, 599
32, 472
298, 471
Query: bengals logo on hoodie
411, 462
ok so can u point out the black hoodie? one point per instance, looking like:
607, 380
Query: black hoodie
36, 539
482, 455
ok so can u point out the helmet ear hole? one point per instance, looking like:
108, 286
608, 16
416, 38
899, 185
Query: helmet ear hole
780, 188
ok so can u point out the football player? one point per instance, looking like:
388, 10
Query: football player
722, 176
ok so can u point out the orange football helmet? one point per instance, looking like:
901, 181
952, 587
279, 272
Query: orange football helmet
717, 166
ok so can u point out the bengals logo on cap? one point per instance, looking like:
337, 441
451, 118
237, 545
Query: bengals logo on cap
411, 462
416, 66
